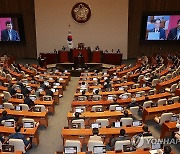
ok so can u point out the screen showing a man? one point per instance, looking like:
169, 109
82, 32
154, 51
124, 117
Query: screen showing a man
9, 34
157, 33
174, 33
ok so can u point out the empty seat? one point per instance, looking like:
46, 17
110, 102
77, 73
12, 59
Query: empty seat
113, 107
103, 122
96, 107
119, 144
145, 142
126, 121
93, 143
24, 107
43, 108
168, 77
8, 105
7, 95
134, 110
162, 101
163, 118
172, 89
162, 79
79, 121
175, 99
155, 82
74, 143
147, 104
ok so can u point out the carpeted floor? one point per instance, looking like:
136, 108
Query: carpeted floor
50, 138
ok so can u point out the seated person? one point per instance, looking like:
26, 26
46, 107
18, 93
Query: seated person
146, 131
2, 139
77, 116
113, 140
114, 101
96, 92
132, 104
18, 135
83, 85
83, 93
24, 90
48, 91
28, 101
5, 116
95, 136
126, 114
11, 89
167, 149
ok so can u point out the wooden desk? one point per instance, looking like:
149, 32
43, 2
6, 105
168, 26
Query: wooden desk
28, 132
83, 134
3, 79
90, 117
139, 89
123, 84
162, 85
150, 113
122, 102
15, 152
129, 70
112, 70
48, 104
167, 129
40, 117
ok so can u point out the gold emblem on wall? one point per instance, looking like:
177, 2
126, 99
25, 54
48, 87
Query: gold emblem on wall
81, 12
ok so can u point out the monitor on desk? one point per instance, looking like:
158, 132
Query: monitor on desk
117, 124
124, 97
70, 150
110, 98
138, 95
19, 96
95, 125
36, 109
128, 148
28, 124
18, 108
174, 118
33, 97
57, 84
53, 90
76, 125
121, 88
99, 149
119, 108
9, 123
79, 110
137, 123
156, 146
7, 148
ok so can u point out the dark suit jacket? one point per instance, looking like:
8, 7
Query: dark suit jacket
5, 35
28, 101
19, 136
6, 118
49, 93
162, 33
172, 34
12, 91
25, 91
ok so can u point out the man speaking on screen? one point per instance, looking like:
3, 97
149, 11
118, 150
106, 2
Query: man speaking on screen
9, 34
174, 33
158, 29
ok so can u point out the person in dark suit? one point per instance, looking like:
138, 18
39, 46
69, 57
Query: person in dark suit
121, 137
25, 91
18, 135
6, 117
157, 29
146, 131
48, 91
11, 90
167, 149
9, 34
174, 33
28, 101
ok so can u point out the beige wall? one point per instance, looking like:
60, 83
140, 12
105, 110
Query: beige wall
107, 27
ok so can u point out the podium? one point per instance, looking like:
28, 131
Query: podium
79, 62
85, 53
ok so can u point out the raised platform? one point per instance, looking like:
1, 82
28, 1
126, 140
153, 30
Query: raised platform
77, 72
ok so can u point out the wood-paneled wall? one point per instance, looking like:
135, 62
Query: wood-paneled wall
26, 8
136, 10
